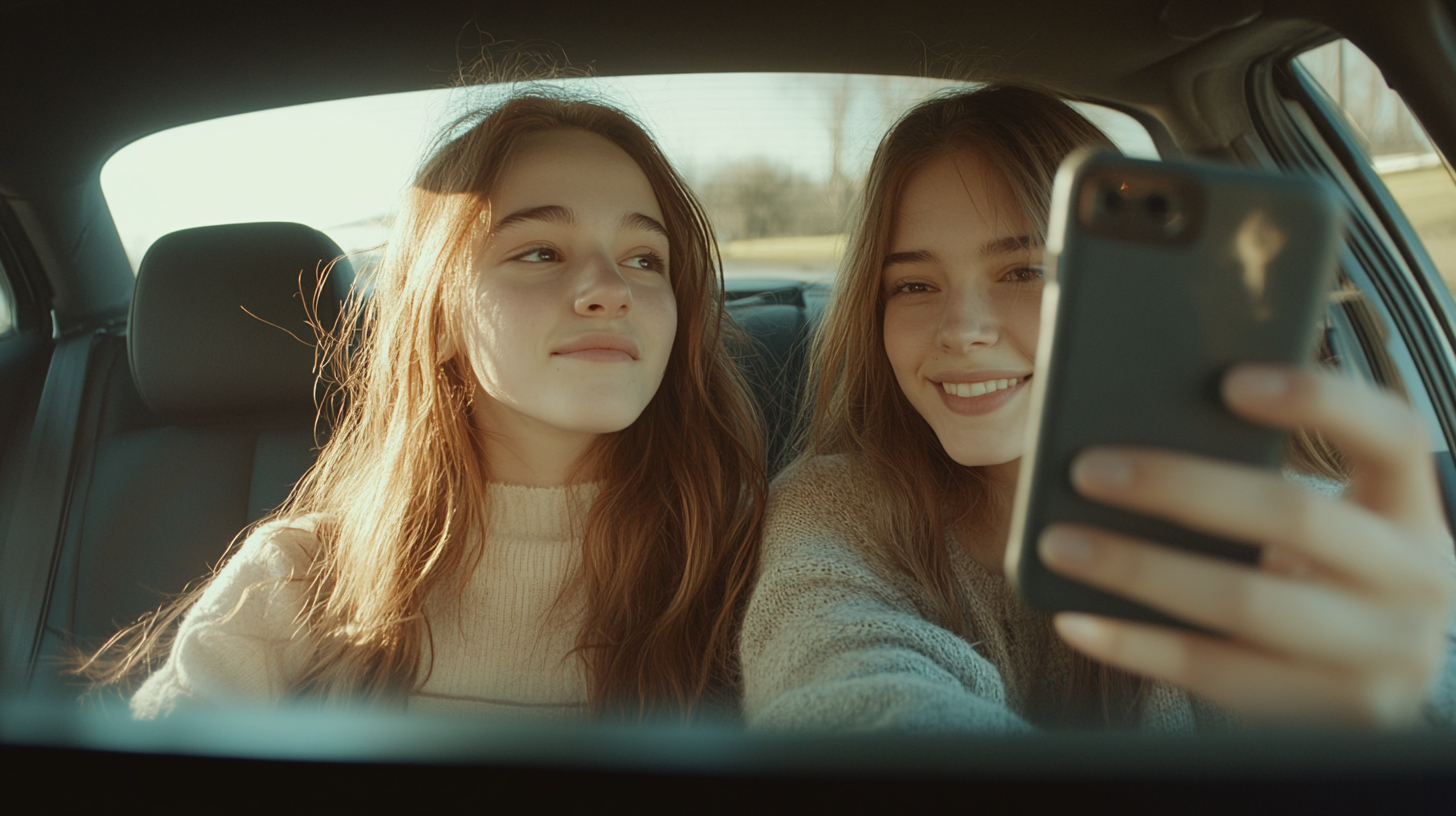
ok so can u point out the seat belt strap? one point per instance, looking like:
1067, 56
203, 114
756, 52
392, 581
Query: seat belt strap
33, 540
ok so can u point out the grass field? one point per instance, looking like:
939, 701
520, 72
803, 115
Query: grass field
1428, 197
800, 257
813, 250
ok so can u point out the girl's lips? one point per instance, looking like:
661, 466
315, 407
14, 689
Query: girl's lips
600, 347
983, 404
598, 355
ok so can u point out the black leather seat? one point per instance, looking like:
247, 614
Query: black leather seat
778, 318
197, 421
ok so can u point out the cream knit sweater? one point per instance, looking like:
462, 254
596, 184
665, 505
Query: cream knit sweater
500, 648
835, 640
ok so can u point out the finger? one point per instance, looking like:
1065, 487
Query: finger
1311, 621
1254, 505
1258, 687
1295, 566
1383, 440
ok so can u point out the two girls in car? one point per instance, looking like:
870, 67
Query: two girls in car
546, 496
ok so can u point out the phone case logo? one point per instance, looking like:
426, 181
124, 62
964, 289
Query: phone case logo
1257, 243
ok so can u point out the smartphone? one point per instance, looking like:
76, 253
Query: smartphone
1160, 276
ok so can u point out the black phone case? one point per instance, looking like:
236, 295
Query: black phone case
1135, 337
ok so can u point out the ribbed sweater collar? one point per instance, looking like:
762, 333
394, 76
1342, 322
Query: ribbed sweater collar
539, 513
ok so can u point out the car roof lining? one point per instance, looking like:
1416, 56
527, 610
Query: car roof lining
101, 76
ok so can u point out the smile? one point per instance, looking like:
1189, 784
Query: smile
977, 389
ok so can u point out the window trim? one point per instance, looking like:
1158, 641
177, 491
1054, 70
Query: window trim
1367, 179
30, 292
7, 295
1383, 256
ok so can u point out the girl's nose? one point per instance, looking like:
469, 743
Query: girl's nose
603, 292
969, 320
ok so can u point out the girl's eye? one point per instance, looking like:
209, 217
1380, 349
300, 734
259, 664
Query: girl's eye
650, 261
910, 288
539, 255
1024, 274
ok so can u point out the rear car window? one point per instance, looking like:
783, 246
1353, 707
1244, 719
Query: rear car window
776, 158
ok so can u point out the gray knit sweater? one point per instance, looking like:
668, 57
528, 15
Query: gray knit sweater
834, 639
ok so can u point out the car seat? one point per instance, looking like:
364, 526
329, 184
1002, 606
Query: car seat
777, 318
197, 420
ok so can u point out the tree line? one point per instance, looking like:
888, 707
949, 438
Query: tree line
760, 198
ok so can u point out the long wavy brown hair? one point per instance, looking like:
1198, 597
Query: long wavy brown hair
399, 492
856, 406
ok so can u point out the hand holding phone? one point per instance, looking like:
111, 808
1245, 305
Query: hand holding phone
1344, 619
1326, 609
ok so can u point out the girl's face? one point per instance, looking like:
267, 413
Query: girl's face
962, 286
573, 314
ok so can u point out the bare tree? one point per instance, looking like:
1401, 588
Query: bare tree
838, 187
758, 198
1382, 123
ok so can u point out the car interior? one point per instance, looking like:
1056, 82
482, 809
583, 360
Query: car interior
145, 419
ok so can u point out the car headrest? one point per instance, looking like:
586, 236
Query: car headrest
219, 319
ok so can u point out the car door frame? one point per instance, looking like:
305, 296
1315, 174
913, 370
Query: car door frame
1300, 130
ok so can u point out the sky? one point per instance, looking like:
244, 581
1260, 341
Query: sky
335, 164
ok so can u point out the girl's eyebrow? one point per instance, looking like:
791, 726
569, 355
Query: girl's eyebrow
917, 256
644, 222
551, 213
557, 214
990, 249
1001, 246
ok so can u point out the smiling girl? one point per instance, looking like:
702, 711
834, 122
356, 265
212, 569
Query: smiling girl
544, 495
881, 602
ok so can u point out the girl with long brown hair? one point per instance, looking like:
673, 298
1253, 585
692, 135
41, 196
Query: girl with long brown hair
880, 601
544, 494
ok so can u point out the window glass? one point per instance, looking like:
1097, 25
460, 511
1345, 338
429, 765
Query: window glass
1417, 175
776, 158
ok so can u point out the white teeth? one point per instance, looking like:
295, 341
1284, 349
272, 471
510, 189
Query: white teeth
978, 389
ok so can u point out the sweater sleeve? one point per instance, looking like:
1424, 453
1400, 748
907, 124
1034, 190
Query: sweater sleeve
242, 641
830, 642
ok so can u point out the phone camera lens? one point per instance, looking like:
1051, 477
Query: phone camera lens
1111, 201
1158, 206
